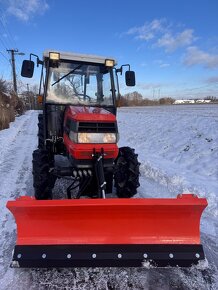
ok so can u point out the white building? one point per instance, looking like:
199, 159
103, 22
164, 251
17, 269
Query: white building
200, 101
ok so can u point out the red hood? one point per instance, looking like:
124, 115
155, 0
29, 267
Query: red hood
90, 114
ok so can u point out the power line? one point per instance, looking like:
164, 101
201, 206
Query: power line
3, 43
5, 72
197, 88
5, 57
6, 29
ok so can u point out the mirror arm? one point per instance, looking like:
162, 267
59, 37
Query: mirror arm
120, 70
38, 60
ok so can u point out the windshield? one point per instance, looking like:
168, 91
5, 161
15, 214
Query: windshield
79, 84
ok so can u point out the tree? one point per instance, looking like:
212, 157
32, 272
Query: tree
134, 99
211, 98
166, 101
4, 86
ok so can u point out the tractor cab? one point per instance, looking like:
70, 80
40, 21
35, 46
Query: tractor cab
79, 79
80, 83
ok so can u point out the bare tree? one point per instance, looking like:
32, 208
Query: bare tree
4, 86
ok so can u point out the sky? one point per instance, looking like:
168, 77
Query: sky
172, 45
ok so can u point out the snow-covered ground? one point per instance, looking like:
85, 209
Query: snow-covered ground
178, 151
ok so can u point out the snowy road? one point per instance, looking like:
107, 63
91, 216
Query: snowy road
17, 143
178, 151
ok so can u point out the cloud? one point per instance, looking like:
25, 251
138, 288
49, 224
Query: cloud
160, 33
212, 80
161, 63
164, 65
171, 42
149, 30
25, 9
195, 56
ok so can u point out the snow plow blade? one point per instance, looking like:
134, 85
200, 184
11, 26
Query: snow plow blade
108, 232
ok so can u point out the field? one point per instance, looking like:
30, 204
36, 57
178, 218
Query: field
178, 151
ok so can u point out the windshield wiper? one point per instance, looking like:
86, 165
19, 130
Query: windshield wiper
72, 71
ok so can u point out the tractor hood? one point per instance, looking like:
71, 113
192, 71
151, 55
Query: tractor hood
90, 114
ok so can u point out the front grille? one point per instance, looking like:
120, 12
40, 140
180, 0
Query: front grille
95, 127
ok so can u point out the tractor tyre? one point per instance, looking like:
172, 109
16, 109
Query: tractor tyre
40, 132
126, 173
43, 180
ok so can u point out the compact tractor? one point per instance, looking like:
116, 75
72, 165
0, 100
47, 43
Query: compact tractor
78, 126
79, 122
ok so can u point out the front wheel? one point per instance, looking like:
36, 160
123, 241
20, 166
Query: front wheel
43, 180
126, 174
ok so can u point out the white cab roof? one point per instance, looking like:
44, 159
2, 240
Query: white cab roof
78, 56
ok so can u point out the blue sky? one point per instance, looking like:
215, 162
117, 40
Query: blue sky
172, 45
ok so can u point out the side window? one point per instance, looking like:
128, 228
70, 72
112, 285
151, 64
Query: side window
91, 88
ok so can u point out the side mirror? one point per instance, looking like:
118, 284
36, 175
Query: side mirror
130, 78
27, 68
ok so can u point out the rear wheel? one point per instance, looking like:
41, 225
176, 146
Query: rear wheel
126, 174
43, 180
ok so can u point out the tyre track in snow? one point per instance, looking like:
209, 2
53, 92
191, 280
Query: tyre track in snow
15, 179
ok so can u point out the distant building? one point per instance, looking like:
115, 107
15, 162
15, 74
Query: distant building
184, 102
200, 101
203, 101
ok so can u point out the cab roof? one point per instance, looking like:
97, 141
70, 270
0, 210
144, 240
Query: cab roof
78, 56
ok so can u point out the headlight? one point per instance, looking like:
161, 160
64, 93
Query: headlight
109, 138
94, 138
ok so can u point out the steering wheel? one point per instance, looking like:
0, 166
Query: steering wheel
83, 97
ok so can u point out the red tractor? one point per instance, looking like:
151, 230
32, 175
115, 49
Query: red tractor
78, 127
79, 122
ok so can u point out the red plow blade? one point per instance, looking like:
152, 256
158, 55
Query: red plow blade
107, 232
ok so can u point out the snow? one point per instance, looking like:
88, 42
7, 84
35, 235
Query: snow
178, 151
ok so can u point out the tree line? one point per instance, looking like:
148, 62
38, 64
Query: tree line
11, 104
136, 99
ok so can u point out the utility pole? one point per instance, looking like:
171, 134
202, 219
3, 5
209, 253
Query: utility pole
13, 52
